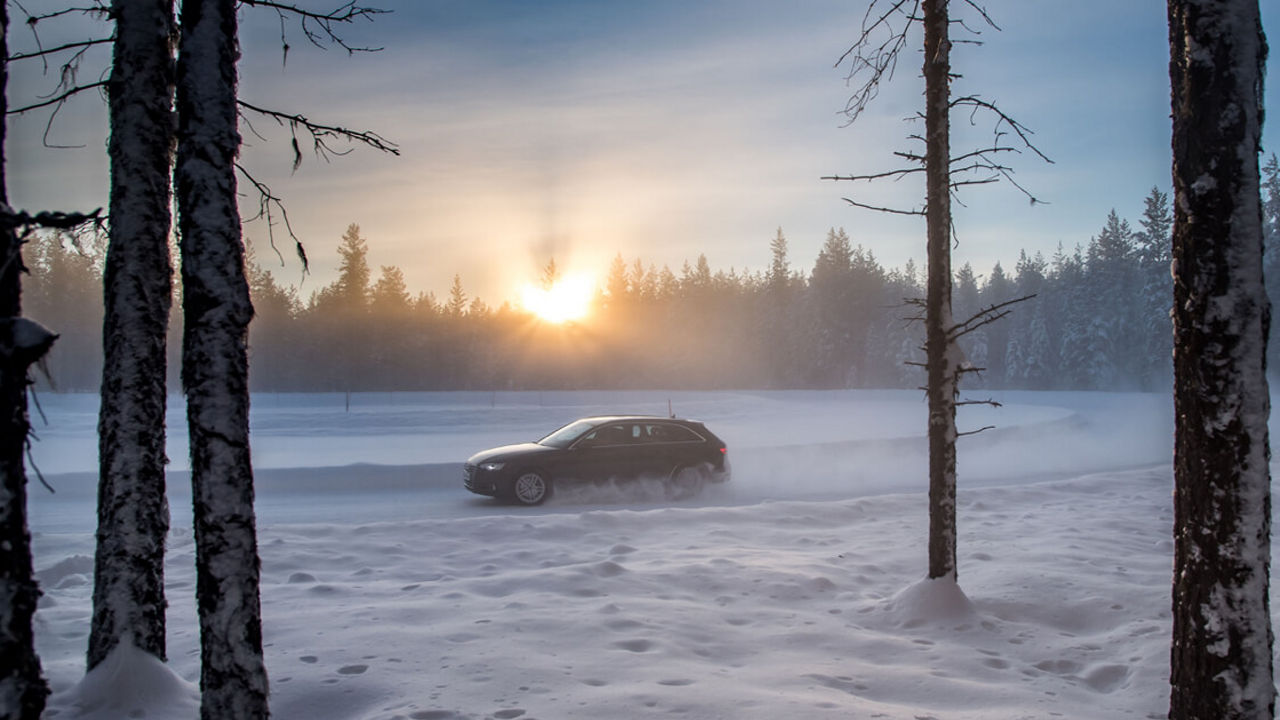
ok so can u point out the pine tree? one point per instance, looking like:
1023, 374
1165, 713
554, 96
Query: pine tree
351, 289
973, 346
998, 289
550, 275
457, 305
617, 287
831, 294
778, 334
1154, 333
65, 291
1271, 247
273, 336
779, 275
1112, 296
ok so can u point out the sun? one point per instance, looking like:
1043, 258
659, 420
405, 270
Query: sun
568, 299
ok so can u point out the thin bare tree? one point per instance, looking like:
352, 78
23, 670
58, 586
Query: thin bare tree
23, 342
886, 32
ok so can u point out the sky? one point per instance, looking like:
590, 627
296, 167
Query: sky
580, 130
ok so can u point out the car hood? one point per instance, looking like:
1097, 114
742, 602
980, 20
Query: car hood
506, 452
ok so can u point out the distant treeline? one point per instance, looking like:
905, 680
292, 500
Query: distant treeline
1098, 320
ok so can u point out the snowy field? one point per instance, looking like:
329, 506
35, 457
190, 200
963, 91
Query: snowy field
795, 590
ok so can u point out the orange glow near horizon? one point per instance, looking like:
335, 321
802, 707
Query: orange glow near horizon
568, 299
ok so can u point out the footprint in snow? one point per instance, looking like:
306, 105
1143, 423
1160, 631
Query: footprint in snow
1107, 678
635, 646
352, 669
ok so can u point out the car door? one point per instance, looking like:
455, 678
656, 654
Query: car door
671, 446
605, 453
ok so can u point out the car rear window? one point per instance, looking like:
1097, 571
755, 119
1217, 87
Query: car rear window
667, 432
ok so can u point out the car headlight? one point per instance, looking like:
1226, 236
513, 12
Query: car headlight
491, 466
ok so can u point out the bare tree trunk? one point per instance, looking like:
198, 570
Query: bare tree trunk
133, 513
22, 688
1221, 662
939, 349
217, 312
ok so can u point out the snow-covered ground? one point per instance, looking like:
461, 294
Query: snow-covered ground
793, 591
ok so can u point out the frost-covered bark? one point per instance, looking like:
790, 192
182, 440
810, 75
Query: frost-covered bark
941, 366
133, 514
22, 688
216, 308
1221, 655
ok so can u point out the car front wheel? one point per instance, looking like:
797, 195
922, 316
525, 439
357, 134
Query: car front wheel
531, 488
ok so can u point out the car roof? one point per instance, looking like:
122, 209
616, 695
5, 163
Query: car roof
602, 419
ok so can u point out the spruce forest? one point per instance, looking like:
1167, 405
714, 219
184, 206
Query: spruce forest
1097, 318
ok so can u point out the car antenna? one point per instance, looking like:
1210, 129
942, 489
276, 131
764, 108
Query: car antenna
670, 413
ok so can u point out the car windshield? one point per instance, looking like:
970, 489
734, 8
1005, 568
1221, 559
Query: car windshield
565, 436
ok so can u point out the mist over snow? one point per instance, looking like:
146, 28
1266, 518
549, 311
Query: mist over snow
795, 590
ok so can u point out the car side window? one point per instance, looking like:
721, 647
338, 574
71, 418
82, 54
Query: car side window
616, 434
668, 433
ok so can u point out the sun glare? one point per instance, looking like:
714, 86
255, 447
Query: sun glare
566, 300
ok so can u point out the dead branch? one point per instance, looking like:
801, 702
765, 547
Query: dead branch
877, 61
11, 219
33, 21
988, 402
268, 206
321, 135
20, 222
983, 317
975, 432
1024, 133
319, 28
894, 174
58, 99
878, 208
44, 54
68, 85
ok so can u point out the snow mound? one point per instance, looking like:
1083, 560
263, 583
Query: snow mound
64, 568
130, 683
929, 602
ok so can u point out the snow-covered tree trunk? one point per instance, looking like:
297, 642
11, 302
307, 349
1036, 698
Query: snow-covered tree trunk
133, 514
217, 311
22, 688
1221, 656
941, 364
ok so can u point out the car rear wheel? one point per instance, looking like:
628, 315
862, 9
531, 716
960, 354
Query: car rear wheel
531, 488
686, 482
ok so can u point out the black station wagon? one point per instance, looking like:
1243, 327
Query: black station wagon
684, 454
